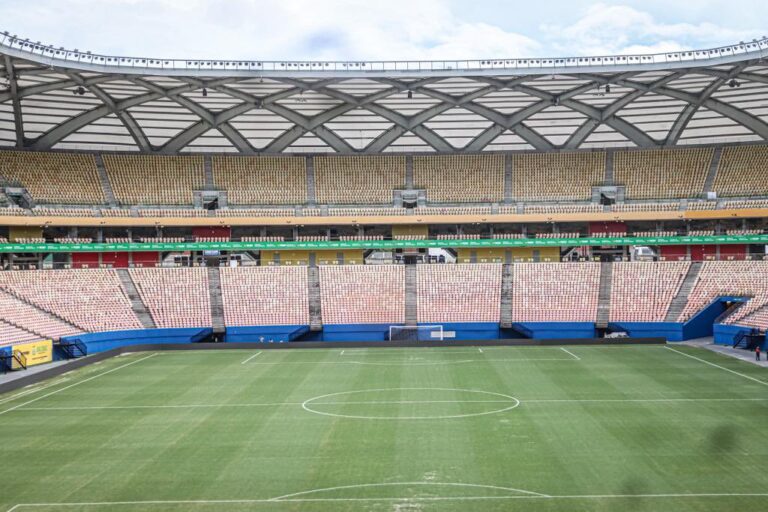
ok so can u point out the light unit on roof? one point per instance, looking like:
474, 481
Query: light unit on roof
205, 92
734, 83
410, 94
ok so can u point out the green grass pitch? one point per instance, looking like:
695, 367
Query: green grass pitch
634, 428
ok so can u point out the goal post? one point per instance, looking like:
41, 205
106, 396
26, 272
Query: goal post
415, 333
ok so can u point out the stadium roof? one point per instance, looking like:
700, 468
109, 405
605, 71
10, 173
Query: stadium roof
51, 98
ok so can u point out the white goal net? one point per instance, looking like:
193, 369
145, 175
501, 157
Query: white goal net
416, 333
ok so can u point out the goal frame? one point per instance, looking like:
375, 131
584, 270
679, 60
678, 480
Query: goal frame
423, 332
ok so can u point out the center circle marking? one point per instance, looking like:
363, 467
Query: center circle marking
503, 402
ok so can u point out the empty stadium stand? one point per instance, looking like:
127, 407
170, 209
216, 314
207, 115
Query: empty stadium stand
362, 294
643, 291
743, 171
556, 176
91, 300
459, 293
460, 178
358, 179
729, 278
265, 295
555, 292
261, 180
54, 178
175, 297
154, 179
663, 173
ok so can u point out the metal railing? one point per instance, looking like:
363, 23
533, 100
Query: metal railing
51, 54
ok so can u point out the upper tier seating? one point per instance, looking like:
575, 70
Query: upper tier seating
556, 176
92, 300
729, 278
265, 295
253, 180
256, 212
643, 291
55, 178
172, 212
460, 178
459, 293
362, 294
177, 297
563, 208
30, 318
663, 173
757, 318
646, 207
358, 179
555, 292
743, 171
154, 179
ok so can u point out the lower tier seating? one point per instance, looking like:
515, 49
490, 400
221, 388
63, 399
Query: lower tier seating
92, 300
265, 295
176, 297
360, 294
643, 291
555, 292
459, 293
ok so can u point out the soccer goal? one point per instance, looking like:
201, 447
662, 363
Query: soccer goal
415, 333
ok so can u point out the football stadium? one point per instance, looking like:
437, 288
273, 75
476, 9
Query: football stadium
531, 284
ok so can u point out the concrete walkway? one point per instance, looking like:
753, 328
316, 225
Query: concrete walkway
32, 370
726, 350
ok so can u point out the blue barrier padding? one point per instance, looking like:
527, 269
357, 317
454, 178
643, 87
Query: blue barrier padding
358, 332
265, 333
556, 330
101, 341
465, 331
672, 331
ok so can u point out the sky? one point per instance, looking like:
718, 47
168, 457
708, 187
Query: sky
382, 29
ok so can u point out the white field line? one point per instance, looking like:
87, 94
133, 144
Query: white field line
281, 404
570, 353
480, 350
764, 383
254, 355
30, 391
76, 384
342, 353
388, 500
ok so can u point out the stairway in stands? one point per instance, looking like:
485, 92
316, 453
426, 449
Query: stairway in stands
106, 186
681, 299
411, 300
315, 310
604, 296
506, 296
713, 166
138, 306
217, 303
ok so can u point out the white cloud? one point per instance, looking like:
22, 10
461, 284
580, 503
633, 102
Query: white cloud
611, 29
346, 29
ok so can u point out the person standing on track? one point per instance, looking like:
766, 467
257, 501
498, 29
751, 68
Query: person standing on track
757, 353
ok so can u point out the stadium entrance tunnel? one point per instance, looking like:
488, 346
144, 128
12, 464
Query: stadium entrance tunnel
703, 324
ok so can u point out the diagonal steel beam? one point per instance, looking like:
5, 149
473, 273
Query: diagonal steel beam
18, 122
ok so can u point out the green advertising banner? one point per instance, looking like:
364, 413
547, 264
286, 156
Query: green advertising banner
383, 244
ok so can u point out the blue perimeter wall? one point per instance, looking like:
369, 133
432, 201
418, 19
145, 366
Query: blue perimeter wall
101, 341
555, 330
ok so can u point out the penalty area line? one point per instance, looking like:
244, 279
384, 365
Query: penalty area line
77, 384
764, 383
254, 355
570, 353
